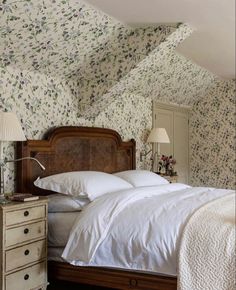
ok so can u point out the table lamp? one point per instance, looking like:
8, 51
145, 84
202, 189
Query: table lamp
10, 130
157, 135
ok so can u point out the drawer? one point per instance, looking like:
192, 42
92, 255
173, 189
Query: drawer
24, 255
25, 215
25, 233
28, 278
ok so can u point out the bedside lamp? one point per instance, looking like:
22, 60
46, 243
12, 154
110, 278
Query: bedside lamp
10, 130
157, 135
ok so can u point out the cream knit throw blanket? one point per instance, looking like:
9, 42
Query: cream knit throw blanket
207, 249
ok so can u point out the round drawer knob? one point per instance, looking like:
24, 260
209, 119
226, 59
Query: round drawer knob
26, 231
27, 252
133, 282
26, 277
26, 213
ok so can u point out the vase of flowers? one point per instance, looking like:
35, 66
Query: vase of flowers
166, 165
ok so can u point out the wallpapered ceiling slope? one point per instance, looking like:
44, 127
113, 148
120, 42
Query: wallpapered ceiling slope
70, 40
52, 37
56, 53
100, 57
162, 75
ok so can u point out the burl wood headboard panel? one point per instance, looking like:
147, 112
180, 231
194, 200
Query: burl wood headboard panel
70, 148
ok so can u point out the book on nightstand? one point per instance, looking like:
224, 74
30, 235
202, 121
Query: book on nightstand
23, 197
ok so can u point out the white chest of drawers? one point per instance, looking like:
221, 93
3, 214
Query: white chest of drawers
23, 244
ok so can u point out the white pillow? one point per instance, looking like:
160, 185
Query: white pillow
89, 184
65, 203
140, 178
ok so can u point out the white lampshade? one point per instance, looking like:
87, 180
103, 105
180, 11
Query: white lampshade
10, 128
158, 135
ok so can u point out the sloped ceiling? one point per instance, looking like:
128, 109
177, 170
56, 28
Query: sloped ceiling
68, 38
51, 37
212, 45
163, 75
99, 57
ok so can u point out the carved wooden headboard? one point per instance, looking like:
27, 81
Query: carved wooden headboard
70, 148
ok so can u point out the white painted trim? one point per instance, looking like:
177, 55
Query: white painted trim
172, 107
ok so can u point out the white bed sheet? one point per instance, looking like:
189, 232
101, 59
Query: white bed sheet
136, 229
59, 227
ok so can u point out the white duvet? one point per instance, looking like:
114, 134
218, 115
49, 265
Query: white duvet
138, 228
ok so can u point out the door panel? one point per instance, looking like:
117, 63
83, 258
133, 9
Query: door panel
164, 119
181, 145
176, 124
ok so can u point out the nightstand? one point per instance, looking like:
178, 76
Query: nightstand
23, 243
171, 179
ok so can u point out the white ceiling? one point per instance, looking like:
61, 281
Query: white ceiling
211, 46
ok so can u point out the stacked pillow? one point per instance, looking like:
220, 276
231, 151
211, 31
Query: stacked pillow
87, 184
140, 178
78, 188
65, 203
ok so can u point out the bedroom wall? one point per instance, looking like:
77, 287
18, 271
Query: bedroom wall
213, 137
54, 57
41, 102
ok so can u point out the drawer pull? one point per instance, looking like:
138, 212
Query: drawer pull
133, 283
26, 277
26, 231
26, 213
27, 252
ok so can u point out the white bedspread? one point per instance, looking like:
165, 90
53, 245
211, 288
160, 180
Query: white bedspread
136, 229
207, 250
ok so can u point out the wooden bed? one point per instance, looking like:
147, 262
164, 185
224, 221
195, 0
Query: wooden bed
83, 148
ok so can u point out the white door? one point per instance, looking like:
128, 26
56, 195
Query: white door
175, 122
164, 119
181, 143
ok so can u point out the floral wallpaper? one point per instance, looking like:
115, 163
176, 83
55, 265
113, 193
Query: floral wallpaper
70, 40
49, 34
163, 75
41, 102
65, 63
213, 137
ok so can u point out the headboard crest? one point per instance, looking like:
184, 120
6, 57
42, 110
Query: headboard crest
72, 148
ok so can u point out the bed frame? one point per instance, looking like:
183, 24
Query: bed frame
83, 148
